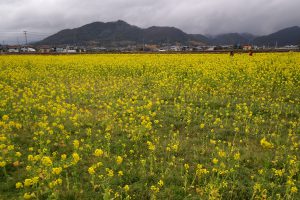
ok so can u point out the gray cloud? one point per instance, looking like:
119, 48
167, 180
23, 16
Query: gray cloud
41, 18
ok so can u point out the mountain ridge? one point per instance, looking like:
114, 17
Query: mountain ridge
120, 33
287, 36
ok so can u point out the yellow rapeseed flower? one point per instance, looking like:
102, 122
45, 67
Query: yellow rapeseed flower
98, 152
151, 146
29, 196
237, 156
126, 188
91, 170
215, 160
5, 117
19, 185
18, 154
76, 158
264, 143
56, 170
46, 160
2, 163
222, 154
160, 183
76, 144
119, 160
28, 182
120, 173
154, 189
213, 141
201, 170
186, 166
294, 189
110, 172
63, 157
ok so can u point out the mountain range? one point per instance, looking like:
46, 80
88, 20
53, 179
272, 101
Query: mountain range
120, 33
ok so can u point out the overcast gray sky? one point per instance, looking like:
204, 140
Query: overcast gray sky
44, 17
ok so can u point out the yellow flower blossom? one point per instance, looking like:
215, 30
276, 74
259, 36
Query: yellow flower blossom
5, 117
126, 188
29, 196
201, 170
160, 183
266, 144
222, 154
63, 157
237, 156
186, 166
76, 158
154, 189
120, 173
110, 172
19, 185
56, 170
28, 182
76, 144
151, 146
215, 160
91, 170
2, 163
119, 160
213, 141
202, 126
294, 189
46, 161
18, 154
98, 152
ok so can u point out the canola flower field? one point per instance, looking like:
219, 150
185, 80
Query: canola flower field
150, 126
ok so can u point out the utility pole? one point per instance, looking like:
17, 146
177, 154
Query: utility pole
25, 34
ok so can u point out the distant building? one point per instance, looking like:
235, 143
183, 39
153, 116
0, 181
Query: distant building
70, 49
13, 49
210, 48
247, 47
227, 47
27, 49
81, 49
149, 47
44, 49
162, 50
59, 50
223, 47
96, 49
186, 48
174, 48
198, 48
289, 47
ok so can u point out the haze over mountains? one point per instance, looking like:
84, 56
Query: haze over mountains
120, 33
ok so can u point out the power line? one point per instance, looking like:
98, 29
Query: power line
40, 32
18, 32
28, 35
28, 32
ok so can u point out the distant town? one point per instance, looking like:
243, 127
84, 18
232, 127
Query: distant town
46, 49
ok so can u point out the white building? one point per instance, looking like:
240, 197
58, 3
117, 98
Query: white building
13, 49
289, 47
27, 49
